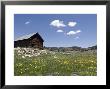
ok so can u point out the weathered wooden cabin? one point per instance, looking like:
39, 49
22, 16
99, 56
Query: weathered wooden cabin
31, 40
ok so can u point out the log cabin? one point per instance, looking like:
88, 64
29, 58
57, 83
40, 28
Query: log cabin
33, 40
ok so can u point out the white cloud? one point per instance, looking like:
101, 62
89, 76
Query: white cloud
27, 22
73, 32
57, 23
76, 37
78, 31
71, 24
59, 30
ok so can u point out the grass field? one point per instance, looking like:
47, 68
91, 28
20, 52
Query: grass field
73, 63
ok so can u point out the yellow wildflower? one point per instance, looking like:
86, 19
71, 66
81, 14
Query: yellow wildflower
65, 62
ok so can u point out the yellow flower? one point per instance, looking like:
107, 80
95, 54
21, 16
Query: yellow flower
65, 62
20, 64
35, 66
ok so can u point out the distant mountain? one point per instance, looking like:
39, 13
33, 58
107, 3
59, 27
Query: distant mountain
73, 48
93, 47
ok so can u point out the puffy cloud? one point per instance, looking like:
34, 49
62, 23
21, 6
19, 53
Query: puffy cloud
71, 24
59, 30
57, 23
78, 31
27, 22
73, 32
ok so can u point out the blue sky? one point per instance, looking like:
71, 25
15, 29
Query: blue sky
59, 30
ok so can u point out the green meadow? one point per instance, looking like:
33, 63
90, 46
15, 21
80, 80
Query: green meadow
74, 63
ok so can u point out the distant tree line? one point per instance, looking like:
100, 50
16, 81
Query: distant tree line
73, 48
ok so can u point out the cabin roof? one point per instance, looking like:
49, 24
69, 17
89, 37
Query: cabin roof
28, 36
